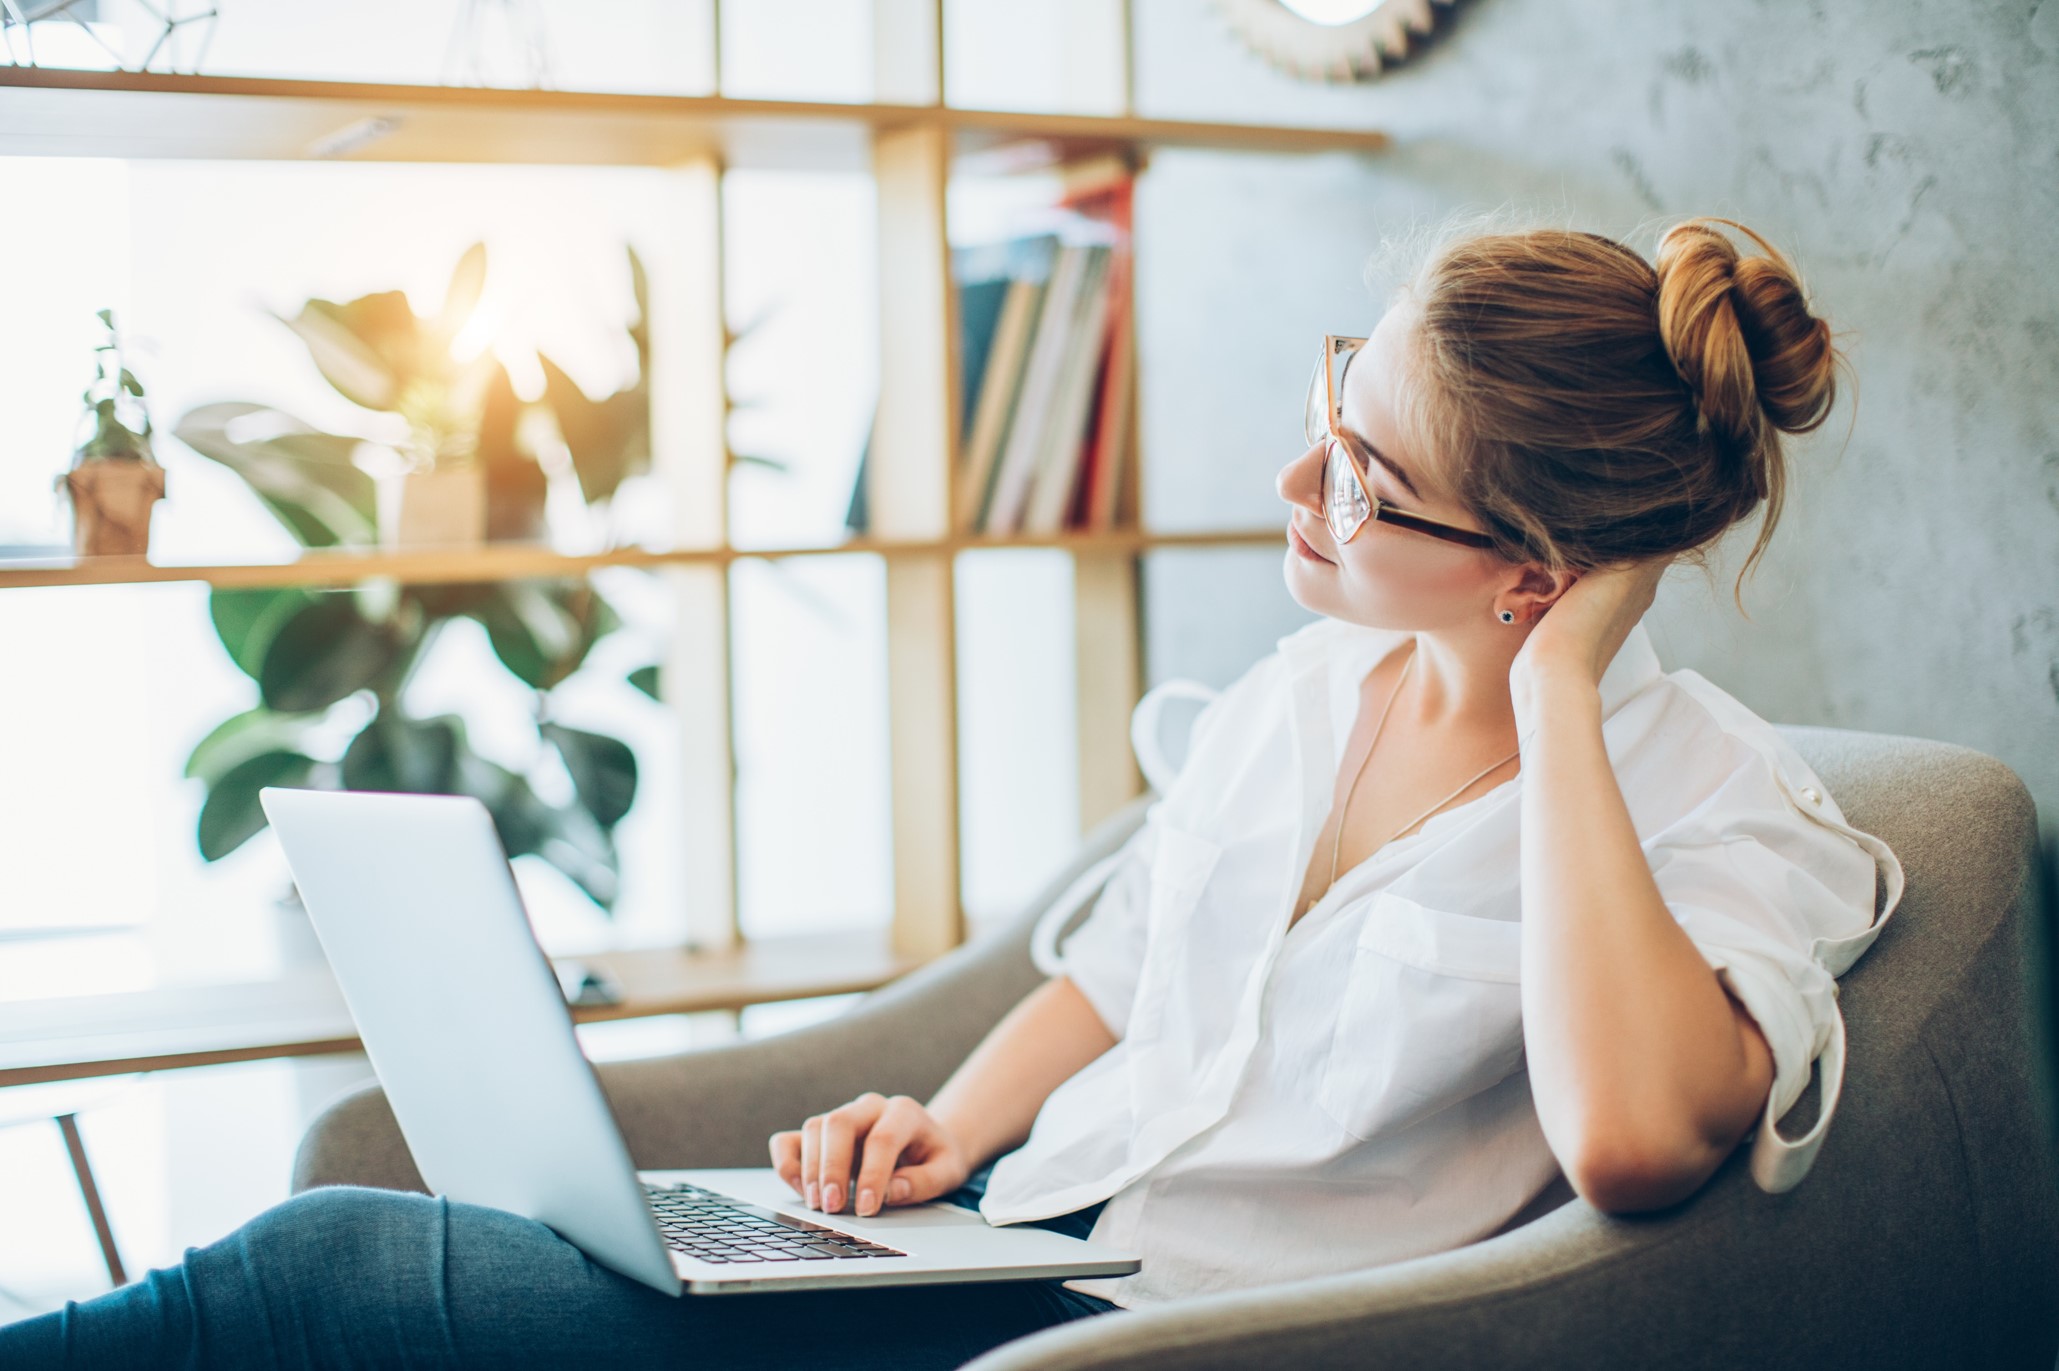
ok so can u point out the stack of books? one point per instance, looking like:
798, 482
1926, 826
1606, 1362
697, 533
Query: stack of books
1044, 341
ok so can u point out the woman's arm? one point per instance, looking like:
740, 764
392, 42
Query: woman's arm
903, 1152
1645, 1071
994, 1095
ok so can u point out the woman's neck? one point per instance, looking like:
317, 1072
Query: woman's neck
1461, 680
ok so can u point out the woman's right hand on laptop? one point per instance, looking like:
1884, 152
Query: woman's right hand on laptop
901, 1154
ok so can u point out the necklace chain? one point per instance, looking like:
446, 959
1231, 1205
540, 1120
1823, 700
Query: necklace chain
1337, 844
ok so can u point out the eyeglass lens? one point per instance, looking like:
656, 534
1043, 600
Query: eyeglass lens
1345, 505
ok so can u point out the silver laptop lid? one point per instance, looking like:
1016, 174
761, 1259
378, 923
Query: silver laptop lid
418, 913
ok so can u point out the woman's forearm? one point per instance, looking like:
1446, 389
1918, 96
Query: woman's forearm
994, 1095
1639, 1063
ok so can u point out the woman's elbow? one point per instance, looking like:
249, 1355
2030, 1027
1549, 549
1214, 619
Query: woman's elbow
1626, 1177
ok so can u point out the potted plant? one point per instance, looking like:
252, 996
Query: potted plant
115, 481
311, 651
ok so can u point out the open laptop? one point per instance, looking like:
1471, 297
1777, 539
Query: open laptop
466, 1025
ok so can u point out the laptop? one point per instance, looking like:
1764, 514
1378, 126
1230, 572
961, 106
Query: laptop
465, 1023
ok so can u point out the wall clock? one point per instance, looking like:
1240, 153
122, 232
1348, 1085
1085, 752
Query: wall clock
1331, 40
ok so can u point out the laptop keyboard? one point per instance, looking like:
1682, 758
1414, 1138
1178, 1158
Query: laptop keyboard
715, 1228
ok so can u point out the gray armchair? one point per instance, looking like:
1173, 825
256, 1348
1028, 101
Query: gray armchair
1926, 1235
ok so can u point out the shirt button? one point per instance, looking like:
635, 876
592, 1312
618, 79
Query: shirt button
1810, 794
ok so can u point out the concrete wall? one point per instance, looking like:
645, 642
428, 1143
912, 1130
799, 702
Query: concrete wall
1906, 154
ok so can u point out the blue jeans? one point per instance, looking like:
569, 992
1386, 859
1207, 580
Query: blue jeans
353, 1277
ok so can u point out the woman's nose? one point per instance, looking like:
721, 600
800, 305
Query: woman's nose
1300, 481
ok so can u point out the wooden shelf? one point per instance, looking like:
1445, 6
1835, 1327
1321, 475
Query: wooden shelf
500, 562
304, 1015
47, 111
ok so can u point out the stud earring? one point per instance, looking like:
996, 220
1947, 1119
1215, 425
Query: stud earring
1508, 616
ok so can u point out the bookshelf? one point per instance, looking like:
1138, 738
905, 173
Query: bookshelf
912, 144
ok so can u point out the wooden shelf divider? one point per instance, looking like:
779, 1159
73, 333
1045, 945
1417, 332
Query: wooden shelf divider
58, 112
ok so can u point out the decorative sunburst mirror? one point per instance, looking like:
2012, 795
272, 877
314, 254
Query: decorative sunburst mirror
1331, 40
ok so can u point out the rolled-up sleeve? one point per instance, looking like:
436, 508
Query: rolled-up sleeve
1762, 887
1105, 954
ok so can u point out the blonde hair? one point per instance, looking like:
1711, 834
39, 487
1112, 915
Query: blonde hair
1591, 408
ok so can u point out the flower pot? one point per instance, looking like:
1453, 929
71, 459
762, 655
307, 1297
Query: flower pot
111, 503
420, 509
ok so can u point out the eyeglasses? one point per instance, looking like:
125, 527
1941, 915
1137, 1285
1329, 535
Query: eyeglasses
1347, 505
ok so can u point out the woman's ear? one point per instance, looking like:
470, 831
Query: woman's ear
1537, 589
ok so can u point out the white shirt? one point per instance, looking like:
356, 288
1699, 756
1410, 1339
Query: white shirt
1286, 1104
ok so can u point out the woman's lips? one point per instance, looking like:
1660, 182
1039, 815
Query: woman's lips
1301, 547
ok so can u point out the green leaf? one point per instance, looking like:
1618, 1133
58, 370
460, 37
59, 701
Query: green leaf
568, 839
245, 620
243, 736
645, 678
516, 487
640, 327
418, 756
603, 770
325, 653
543, 630
364, 349
304, 476
461, 297
609, 440
231, 815
112, 439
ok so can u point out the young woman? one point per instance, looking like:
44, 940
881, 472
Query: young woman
1457, 894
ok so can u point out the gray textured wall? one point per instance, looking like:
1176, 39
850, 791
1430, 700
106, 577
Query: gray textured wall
1906, 154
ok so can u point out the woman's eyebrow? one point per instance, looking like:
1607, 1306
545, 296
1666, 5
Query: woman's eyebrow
1383, 459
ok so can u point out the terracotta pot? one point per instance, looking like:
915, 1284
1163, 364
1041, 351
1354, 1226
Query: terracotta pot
433, 508
111, 504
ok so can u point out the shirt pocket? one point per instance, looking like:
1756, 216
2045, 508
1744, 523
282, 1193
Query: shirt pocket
1181, 864
1431, 1014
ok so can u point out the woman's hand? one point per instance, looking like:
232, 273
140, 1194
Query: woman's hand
1574, 640
901, 1152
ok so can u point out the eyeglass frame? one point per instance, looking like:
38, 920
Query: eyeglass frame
1335, 438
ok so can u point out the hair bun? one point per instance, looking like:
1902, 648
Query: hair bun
1739, 332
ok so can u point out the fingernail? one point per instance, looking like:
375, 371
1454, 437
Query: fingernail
898, 1190
867, 1201
813, 1195
832, 1198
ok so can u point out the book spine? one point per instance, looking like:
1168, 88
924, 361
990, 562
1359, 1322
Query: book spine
998, 388
1027, 425
1112, 432
1064, 445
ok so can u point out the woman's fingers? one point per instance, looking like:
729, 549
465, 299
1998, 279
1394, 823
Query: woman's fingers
899, 1120
926, 1181
811, 1151
786, 1158
841, 1129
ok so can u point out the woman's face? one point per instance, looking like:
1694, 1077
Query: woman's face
1387, 576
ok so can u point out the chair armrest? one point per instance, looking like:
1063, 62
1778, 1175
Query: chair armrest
718, 1106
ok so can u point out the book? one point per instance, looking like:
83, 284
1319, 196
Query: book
985, 277
1058, 458
1030, 421
1109, 449
1000, 376
1109, 196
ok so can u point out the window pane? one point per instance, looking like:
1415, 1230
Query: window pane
658, 46
801, 291
814, 830
1018, 767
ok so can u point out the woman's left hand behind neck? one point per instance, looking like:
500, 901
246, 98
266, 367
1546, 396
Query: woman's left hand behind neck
1575, 639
